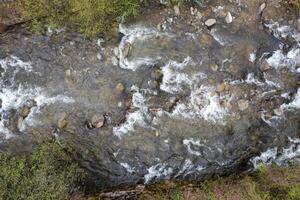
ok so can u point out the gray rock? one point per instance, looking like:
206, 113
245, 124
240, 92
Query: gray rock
210, 22
228, 18
20, 123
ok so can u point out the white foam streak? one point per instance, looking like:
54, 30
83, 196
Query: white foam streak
131, 34
158, 171
295, 103
279, 60
135, 118
279, 156
203, 104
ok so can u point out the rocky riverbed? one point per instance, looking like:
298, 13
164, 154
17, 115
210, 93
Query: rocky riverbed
183, 94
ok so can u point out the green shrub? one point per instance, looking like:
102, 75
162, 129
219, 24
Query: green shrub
90, 17
48, 173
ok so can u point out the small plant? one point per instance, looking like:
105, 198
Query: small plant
47, 173
90, 17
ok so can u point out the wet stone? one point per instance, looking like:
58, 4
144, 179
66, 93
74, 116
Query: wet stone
120, 88
210, 22
278, 111
126, 50
228, 18
176, 10
62, 122
153, 84
261, 8
116, 52
156, 75
25, 112
265, 66
214, 67
98, 121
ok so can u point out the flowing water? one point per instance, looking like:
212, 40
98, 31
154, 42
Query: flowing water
197, 101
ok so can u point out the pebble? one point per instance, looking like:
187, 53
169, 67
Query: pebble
24, 112
68, 72
264, 66
210, 22
116, 52
278, 111
120, 88
98, 121
126, 50
261, 8
156, 75
153, 84
62, 122
214, 67
228, 18
159, 27
20, 123
243, 104
221, 87
176, 10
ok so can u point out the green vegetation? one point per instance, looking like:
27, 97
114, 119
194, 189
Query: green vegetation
48, 173
295, 4
269, 183
89, 17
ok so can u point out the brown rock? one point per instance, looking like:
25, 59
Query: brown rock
62, 122
98, 121
25, 112
264, 66
126, 50
120, 88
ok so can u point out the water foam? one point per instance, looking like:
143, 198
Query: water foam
281, 60
174, 79
280, 156
135, 118
131, 34
203, 103
158, 171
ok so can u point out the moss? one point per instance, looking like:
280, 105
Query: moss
47, 173
90, 17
